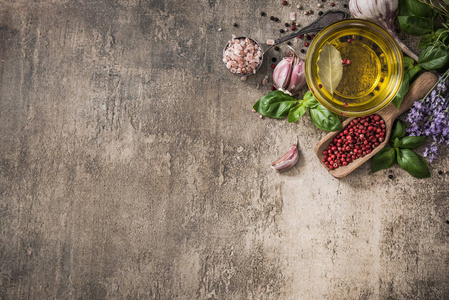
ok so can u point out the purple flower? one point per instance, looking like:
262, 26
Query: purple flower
430, 117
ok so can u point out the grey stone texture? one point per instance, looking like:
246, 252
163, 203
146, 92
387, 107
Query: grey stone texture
132, 167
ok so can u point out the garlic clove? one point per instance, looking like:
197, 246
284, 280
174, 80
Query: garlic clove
298, 78
288, 160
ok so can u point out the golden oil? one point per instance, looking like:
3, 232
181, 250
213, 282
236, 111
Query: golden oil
373, 76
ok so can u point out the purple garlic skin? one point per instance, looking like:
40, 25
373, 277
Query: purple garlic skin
288, 160
381, 12
288, 76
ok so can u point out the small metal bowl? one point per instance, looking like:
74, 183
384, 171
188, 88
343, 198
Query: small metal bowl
260, 62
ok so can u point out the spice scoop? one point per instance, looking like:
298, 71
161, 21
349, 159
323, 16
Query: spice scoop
236, 57
417, 91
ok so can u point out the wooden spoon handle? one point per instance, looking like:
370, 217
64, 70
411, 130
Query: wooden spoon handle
417, 90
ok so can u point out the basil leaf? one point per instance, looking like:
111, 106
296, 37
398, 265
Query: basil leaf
408, 62
397, 143
419, 9
309, 99
398, 131
415, 25
324, 119
412, 142
426, 40
275, 104
296, 112
433, 58
412, 163
384, 159
403, 89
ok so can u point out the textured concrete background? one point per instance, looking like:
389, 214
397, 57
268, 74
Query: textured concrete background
132, 167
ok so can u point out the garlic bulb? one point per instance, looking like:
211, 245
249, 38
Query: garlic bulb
381, 12
288, 76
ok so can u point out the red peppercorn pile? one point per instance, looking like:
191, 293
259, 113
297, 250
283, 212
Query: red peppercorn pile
358, 139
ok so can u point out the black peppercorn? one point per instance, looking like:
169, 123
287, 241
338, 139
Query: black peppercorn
345, 5
447, 221
235, 25
276, 48
390, 176
263, 14
287, 25
289, 43
440, 172
320, 13
282, 31
303, 51
272, 18
274, 59
276, 19
308, 37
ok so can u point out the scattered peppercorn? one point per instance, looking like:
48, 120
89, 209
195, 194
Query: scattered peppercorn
273, 88
332, 4
349, 40
276, 48
286, 24
263, 14
272, 18
320, 5
300, 36
308, 37
293, 27
274, 59
440, 172
281, 30
303, 51
345, 5
273, 66
447, 221
284, 2
390, 176
235, 25
306, 44
320, 85
312, 36
289, 43
320, 13
276, 19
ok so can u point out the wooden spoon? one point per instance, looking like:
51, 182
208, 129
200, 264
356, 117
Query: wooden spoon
418, 90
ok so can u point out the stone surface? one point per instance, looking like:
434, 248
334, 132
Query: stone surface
132, 167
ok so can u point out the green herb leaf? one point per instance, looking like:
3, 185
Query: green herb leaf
309, 99
419, 9
324, 119
408, 62
399, 131
275, 104
296, 112
330, 68
414, 25
433, 58
412, 163
412, 142
403, 89
384, 159
397, 143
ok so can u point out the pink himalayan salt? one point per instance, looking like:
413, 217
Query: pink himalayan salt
242, 56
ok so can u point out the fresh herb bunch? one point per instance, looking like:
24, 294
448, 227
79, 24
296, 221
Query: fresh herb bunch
400, 151
429, 117
418, 17
279, 105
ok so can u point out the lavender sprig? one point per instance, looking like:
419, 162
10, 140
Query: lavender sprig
429, 117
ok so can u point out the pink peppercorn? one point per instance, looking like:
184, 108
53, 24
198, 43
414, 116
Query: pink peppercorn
306, 44
284, 2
